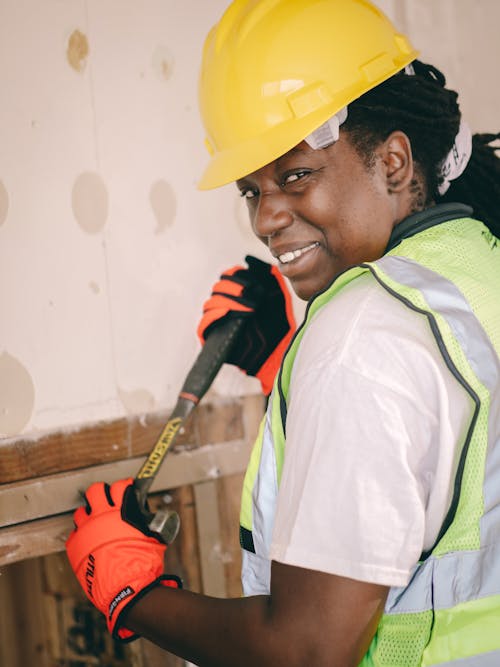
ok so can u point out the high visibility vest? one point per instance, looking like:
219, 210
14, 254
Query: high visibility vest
448, 268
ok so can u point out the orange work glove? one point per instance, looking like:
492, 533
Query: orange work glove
114, 555
260, 295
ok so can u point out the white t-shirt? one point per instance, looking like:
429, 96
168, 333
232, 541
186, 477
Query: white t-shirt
375, 426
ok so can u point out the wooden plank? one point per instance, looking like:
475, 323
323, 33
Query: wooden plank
55, 494
104, 442
209, 539
34, 538
47, 536
183, 556
26, 645
9, 599
51, 622
229, 501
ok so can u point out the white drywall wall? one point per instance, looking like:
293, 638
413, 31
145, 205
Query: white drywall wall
107, 250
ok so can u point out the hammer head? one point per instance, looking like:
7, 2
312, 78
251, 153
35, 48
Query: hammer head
166, 523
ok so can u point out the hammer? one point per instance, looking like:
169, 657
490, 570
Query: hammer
207, 364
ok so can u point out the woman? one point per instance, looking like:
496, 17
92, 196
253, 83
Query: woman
370, 506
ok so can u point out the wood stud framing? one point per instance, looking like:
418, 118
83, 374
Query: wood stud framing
40, 480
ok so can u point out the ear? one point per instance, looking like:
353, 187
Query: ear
397, 161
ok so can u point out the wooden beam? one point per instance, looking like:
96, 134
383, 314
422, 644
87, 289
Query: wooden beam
209, 539
36, 509
56, 494
105, 442
35, 538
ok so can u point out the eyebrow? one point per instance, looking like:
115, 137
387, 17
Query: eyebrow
292, 151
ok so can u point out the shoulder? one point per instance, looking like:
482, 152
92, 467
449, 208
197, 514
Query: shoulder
373, 421
369, 331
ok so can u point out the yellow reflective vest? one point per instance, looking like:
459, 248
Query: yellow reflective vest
446, 265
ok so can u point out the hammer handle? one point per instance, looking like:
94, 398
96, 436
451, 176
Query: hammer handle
212, 356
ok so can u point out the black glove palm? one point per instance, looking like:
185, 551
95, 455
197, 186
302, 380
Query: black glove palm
260, 295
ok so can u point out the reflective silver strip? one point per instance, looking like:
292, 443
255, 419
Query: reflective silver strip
490, 659
445, 298
442, 583
255, 574
256, 568
265, 490
482, 568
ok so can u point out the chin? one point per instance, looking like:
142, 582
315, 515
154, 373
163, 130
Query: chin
307, 289
305, 292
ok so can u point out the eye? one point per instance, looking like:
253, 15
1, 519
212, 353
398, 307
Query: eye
294, 176
248, 193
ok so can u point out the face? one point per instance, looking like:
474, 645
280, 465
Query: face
320, 212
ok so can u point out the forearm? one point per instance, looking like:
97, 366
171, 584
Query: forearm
211, 632
311, 618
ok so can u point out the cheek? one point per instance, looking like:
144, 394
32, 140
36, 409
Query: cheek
365, 224
354, 240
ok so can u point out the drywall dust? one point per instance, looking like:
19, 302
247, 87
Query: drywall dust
138, 400
77, 51
17, 395
89, 200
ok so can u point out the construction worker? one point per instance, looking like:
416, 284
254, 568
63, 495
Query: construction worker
370, 519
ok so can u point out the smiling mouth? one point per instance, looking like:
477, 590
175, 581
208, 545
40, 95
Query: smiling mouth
288, 257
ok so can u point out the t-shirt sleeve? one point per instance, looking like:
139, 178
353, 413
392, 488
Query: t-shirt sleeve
364, 441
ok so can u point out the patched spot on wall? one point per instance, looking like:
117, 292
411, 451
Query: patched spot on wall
164, 205
77, 51
163, 63
17, 395
90, 202
136, 401
94, 287
4, 203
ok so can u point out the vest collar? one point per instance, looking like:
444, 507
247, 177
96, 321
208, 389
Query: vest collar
418, 222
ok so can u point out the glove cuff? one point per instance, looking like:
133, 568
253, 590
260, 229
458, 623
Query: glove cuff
269, 369
121, 633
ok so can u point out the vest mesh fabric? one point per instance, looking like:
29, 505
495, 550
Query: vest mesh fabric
400, 640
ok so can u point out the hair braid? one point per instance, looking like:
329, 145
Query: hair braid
428, 113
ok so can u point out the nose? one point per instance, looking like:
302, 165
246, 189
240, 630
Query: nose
271, 215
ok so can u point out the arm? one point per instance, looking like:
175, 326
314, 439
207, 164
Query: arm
310, 618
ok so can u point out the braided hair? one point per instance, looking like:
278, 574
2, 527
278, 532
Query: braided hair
428, 113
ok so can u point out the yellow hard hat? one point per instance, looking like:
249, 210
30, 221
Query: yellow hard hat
275, 70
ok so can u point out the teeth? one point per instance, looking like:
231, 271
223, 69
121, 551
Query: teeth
293, 254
